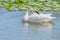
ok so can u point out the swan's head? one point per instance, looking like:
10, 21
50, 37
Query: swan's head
34, 11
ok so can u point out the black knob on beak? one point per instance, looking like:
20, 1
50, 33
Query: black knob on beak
37, 12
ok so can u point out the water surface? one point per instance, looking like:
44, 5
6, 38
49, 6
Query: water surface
12, 27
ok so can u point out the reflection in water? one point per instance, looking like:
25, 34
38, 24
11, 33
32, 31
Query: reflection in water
37, 26
38, 31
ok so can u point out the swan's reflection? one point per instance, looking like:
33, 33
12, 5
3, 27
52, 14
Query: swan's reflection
40, 31
37, 26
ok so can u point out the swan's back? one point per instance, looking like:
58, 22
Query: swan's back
40, 18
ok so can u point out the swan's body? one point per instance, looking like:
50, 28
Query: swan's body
38, 17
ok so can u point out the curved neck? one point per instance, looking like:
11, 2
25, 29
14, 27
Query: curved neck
26, 14
26, 17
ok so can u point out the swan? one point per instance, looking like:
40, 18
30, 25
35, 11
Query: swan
37, 17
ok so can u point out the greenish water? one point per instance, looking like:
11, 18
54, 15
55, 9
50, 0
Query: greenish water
12, 27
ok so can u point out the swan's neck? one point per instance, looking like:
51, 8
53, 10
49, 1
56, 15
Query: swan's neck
26, 17
26, 14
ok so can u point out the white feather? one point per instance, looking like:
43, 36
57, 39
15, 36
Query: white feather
38, 17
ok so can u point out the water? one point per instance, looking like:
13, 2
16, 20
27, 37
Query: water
12, 27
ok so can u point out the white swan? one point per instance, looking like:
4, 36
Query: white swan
36, 17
